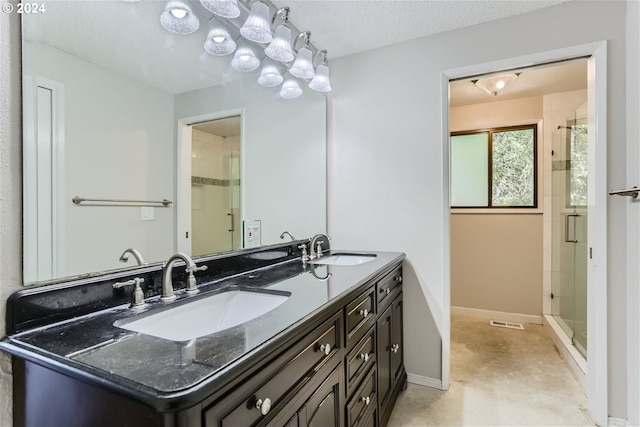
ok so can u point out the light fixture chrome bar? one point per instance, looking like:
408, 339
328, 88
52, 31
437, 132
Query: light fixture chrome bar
164, 202
629, 192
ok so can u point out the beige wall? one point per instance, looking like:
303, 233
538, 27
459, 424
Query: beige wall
496, 258
10, 189
496, 262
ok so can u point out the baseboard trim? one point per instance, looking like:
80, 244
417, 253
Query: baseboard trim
617, 422
497, 315
424, 381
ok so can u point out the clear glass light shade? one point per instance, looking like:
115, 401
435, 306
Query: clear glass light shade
178, 18
245, 59
257, 28
493, 85
219, 42
280, 47
224, 8
303, 65
290, 88
270, 75
320, 82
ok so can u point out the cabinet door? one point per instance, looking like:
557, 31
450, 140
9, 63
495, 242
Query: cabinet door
323, 409
384, 358
397, 346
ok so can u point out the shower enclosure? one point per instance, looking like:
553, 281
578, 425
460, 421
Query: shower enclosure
569, 228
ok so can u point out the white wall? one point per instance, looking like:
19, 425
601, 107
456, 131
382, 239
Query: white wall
633, 211
119, 144
10, 189
496, 257
386, 161
282, 153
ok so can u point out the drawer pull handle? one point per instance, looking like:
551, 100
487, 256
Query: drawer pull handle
264, 405
364, 313
366, 400
385, 291
326, 349
399, 279
395, 348
365, 356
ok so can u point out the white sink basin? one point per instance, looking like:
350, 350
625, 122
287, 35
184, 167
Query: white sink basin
344, 259
205, 316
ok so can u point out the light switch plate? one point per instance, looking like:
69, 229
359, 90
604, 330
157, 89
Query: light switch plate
147, 213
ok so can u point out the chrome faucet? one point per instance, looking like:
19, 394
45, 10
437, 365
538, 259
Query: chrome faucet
167, 283
285, 233
316, 246
136, 254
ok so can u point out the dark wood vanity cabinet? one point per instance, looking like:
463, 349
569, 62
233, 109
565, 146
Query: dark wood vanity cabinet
344, 369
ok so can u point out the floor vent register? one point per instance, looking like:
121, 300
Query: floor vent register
502, 324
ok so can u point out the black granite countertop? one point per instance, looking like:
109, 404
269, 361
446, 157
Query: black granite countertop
171, 375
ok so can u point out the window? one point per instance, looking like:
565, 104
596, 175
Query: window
494, 168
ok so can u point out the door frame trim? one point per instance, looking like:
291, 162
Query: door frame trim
597, 376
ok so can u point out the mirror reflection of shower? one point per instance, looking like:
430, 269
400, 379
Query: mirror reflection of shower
215, 186
569, 232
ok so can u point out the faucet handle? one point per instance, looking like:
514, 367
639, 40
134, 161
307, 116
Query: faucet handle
137, 296
192, 287
305, 255
195, 268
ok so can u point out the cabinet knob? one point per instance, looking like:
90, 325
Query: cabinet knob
364, 313
399, 279
365, 357
366, 400
385, 291
326, 349
264, 406
395, 348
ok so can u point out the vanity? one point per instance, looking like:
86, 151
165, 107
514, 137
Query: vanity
325, 348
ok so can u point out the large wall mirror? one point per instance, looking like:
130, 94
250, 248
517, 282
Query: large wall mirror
117, 108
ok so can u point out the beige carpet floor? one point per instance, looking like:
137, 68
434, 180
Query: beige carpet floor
499, 377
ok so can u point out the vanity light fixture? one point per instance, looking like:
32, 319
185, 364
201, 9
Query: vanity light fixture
245, 59
303, 65
257, 28
178, 18
320, 82
494, 84
219, 42
270, 75
224, 8
290, 88
280, 47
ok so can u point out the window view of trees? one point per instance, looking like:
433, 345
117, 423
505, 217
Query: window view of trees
494, 168
513, 168
579, 164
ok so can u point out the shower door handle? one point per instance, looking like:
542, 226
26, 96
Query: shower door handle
566, 228
232, 229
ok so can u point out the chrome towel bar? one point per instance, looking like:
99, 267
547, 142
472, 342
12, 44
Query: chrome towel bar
630, 192
164, 202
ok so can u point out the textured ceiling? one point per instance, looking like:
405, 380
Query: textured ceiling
350, 26
127, 37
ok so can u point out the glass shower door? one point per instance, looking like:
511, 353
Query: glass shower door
569, 229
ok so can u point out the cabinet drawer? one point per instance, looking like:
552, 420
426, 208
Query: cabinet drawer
254, 403
370, 420
362, 400
360, 359
387, 285
360, 314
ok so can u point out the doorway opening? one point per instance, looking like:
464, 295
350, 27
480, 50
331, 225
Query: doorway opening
215, 186
593, 231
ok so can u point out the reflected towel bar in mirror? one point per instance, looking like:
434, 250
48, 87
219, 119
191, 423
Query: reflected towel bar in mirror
164, 202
